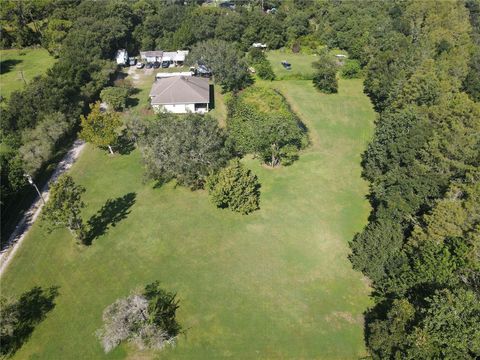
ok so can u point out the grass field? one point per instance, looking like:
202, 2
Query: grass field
31, 62
276, 284
301, 64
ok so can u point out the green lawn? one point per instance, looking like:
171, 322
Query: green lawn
276, 284
31, 62
301, 64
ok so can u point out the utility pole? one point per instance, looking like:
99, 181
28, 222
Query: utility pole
30, 181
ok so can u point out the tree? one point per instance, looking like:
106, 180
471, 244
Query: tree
64, 206
260, 122
40, 143
116, 97
54, 33
100, 127
325, 78
146, 319
225, 61
235, 187
184, 148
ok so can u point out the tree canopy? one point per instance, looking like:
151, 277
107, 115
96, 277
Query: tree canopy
186, 148
100, 127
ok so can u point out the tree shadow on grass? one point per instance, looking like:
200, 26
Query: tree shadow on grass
20, 318
114, 211
125, 144
7, 65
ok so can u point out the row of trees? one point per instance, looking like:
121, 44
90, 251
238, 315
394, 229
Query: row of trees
37, 121
420, 247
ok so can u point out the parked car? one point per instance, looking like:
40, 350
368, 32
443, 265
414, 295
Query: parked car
148, 66
165, 64
287, 65
202, 70
140, 65
156, 65
132, 61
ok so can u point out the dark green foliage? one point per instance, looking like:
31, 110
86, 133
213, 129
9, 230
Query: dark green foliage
444, 326
186, 148
234, 187
420, 248
19, 318
260, 122
162, 308
224, 60
325, 78
64, 206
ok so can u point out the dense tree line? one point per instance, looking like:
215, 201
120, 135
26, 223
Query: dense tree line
420, 247
36, 121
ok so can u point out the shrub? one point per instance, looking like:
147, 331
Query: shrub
351, 69
235, 187
116, 97
325, 78
264, 70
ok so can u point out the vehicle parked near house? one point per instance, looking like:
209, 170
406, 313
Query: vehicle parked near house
140, 65
156, 65
149, 66
165, 64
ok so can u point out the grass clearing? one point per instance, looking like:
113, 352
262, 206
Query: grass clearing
30, 62
275, 284
301, 65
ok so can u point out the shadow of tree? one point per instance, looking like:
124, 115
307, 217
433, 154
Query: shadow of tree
114, 211
7, 65
20, 318
125, 144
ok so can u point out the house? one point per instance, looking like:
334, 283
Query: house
175, 57
180, 95
122, 57
151, 56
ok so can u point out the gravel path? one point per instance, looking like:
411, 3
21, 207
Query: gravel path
24, 225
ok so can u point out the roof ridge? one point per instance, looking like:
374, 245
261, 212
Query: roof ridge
192, 82
169, 86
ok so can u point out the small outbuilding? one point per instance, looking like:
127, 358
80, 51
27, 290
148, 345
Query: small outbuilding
122, 57
180, 95
151, 56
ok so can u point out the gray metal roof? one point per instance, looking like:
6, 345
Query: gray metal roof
180, 90
154, 53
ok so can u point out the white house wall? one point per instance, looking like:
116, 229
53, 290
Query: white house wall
177, 109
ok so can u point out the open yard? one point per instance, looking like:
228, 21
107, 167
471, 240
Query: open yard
275, 284
30, 62
301, 64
